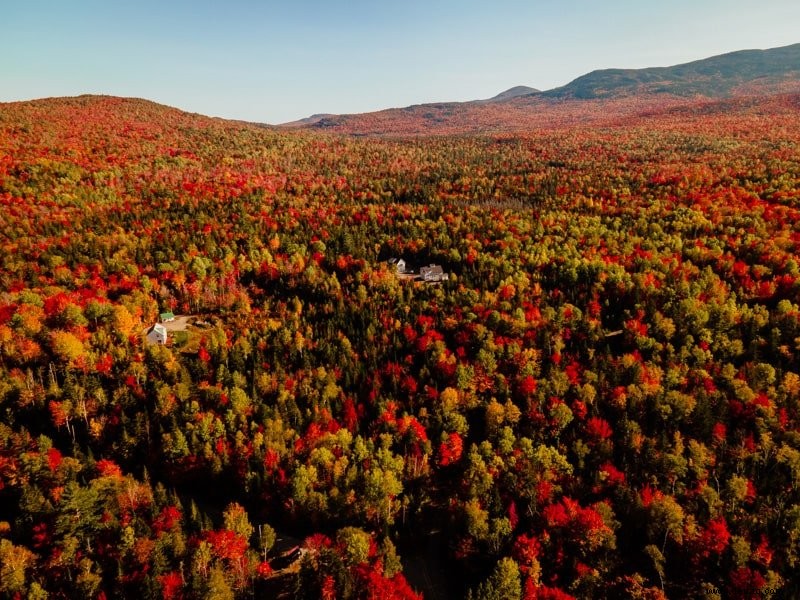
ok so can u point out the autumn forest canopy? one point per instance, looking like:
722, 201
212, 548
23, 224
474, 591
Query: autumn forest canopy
601, 401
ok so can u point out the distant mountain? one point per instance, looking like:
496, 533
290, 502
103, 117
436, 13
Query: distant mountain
742, 73
325, 120
312, 120
514, 92
734, 83
714, 77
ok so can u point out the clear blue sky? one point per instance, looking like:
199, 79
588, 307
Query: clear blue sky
274, 61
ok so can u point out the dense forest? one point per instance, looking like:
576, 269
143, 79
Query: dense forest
601, 401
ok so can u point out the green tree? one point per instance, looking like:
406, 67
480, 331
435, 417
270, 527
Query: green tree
503, 584
355, 544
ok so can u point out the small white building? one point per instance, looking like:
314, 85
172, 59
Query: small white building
399, 264
157, 334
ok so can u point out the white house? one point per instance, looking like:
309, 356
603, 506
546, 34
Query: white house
399, 263
433, 273
157, 334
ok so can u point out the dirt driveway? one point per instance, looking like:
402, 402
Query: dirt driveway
180, 323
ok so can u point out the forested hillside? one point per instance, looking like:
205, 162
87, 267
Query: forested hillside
601, 401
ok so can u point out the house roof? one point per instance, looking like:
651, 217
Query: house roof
167, 315
432, 269
158, 328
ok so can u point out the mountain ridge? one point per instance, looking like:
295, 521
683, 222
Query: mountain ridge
715, 77
725, 84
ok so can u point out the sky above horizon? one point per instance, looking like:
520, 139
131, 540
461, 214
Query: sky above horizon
275, 62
